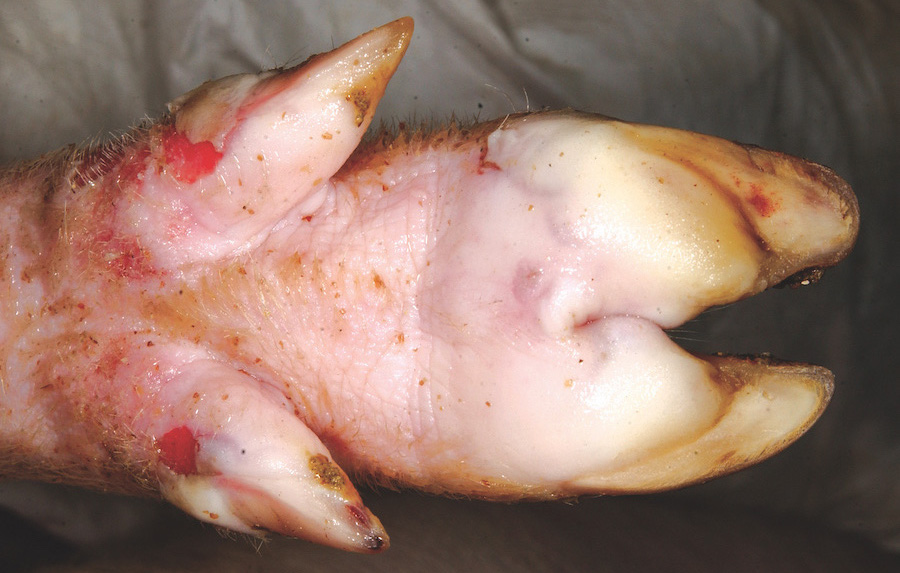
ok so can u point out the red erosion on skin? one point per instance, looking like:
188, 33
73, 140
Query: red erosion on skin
764, 205
124, 256
187, 161
178, 450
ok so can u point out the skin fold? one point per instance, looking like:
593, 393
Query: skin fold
244, 303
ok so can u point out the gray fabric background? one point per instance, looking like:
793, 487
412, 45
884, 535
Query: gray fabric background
819, 79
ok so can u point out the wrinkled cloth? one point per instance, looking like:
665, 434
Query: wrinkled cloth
818, 79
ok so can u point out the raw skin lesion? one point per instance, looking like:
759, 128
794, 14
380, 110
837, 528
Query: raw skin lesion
327, 472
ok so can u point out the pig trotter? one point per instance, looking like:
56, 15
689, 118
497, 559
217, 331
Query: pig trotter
240, 304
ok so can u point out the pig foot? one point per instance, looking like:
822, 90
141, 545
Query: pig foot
241, 299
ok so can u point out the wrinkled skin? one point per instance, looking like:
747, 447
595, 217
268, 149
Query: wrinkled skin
238, 304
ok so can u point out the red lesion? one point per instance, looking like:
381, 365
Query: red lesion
484, 164
123, 255
187, 161
178, 450
93, 239
359, 515
764, 204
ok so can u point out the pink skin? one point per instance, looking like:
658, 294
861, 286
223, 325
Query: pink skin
231, 305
